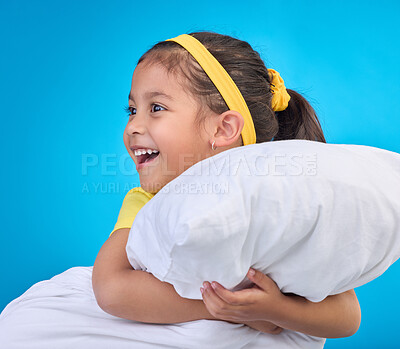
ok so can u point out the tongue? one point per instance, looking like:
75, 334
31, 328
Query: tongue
151, 156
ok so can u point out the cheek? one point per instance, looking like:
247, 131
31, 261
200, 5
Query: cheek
127, 145
125, 138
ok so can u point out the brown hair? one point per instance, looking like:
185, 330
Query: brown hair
248, 71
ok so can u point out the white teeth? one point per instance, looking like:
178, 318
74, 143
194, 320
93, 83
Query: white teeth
144, 151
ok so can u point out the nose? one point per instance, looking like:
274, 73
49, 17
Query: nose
136, 124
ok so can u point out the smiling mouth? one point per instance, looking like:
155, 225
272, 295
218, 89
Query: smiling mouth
146, 157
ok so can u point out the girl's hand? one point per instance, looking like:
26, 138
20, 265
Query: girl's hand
261, 302
262, 326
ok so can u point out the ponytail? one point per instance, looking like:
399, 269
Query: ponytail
298, 120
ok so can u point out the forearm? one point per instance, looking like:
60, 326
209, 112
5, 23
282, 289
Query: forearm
157, 302
139, 296
336, 316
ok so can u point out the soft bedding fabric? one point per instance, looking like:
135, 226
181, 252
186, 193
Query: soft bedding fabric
62, 313
318, 218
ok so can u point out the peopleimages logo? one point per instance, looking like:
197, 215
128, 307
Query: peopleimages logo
276, 164
196, 188
107, 164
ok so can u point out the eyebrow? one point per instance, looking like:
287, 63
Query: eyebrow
152, 94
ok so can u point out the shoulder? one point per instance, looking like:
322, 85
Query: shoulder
138, 192
134, 200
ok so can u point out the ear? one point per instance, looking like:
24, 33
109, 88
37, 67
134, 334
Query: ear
229, 127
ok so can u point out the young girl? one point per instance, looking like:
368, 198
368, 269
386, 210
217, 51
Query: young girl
185, 108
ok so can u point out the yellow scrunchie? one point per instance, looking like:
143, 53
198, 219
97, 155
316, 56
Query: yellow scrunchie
281, 97
227, 87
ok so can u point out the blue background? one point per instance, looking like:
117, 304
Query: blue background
65, 73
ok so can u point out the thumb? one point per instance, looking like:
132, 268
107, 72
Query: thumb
261, 280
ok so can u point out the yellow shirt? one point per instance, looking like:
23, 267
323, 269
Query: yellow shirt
134, 200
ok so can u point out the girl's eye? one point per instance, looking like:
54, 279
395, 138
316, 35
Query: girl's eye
129, 110
156, 105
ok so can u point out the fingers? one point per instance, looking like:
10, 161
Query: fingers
226, 295
261, 280
264, 326
277, 330
215, 305
246, 304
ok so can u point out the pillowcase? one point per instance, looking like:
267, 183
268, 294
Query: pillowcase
317, 218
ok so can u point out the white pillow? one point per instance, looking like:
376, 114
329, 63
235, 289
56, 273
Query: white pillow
319, 219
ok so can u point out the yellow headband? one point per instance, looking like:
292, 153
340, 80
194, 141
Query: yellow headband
227, 87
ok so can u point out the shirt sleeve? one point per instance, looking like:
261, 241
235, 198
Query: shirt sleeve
134, 200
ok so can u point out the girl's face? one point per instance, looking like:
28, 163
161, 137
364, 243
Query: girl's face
162, 119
